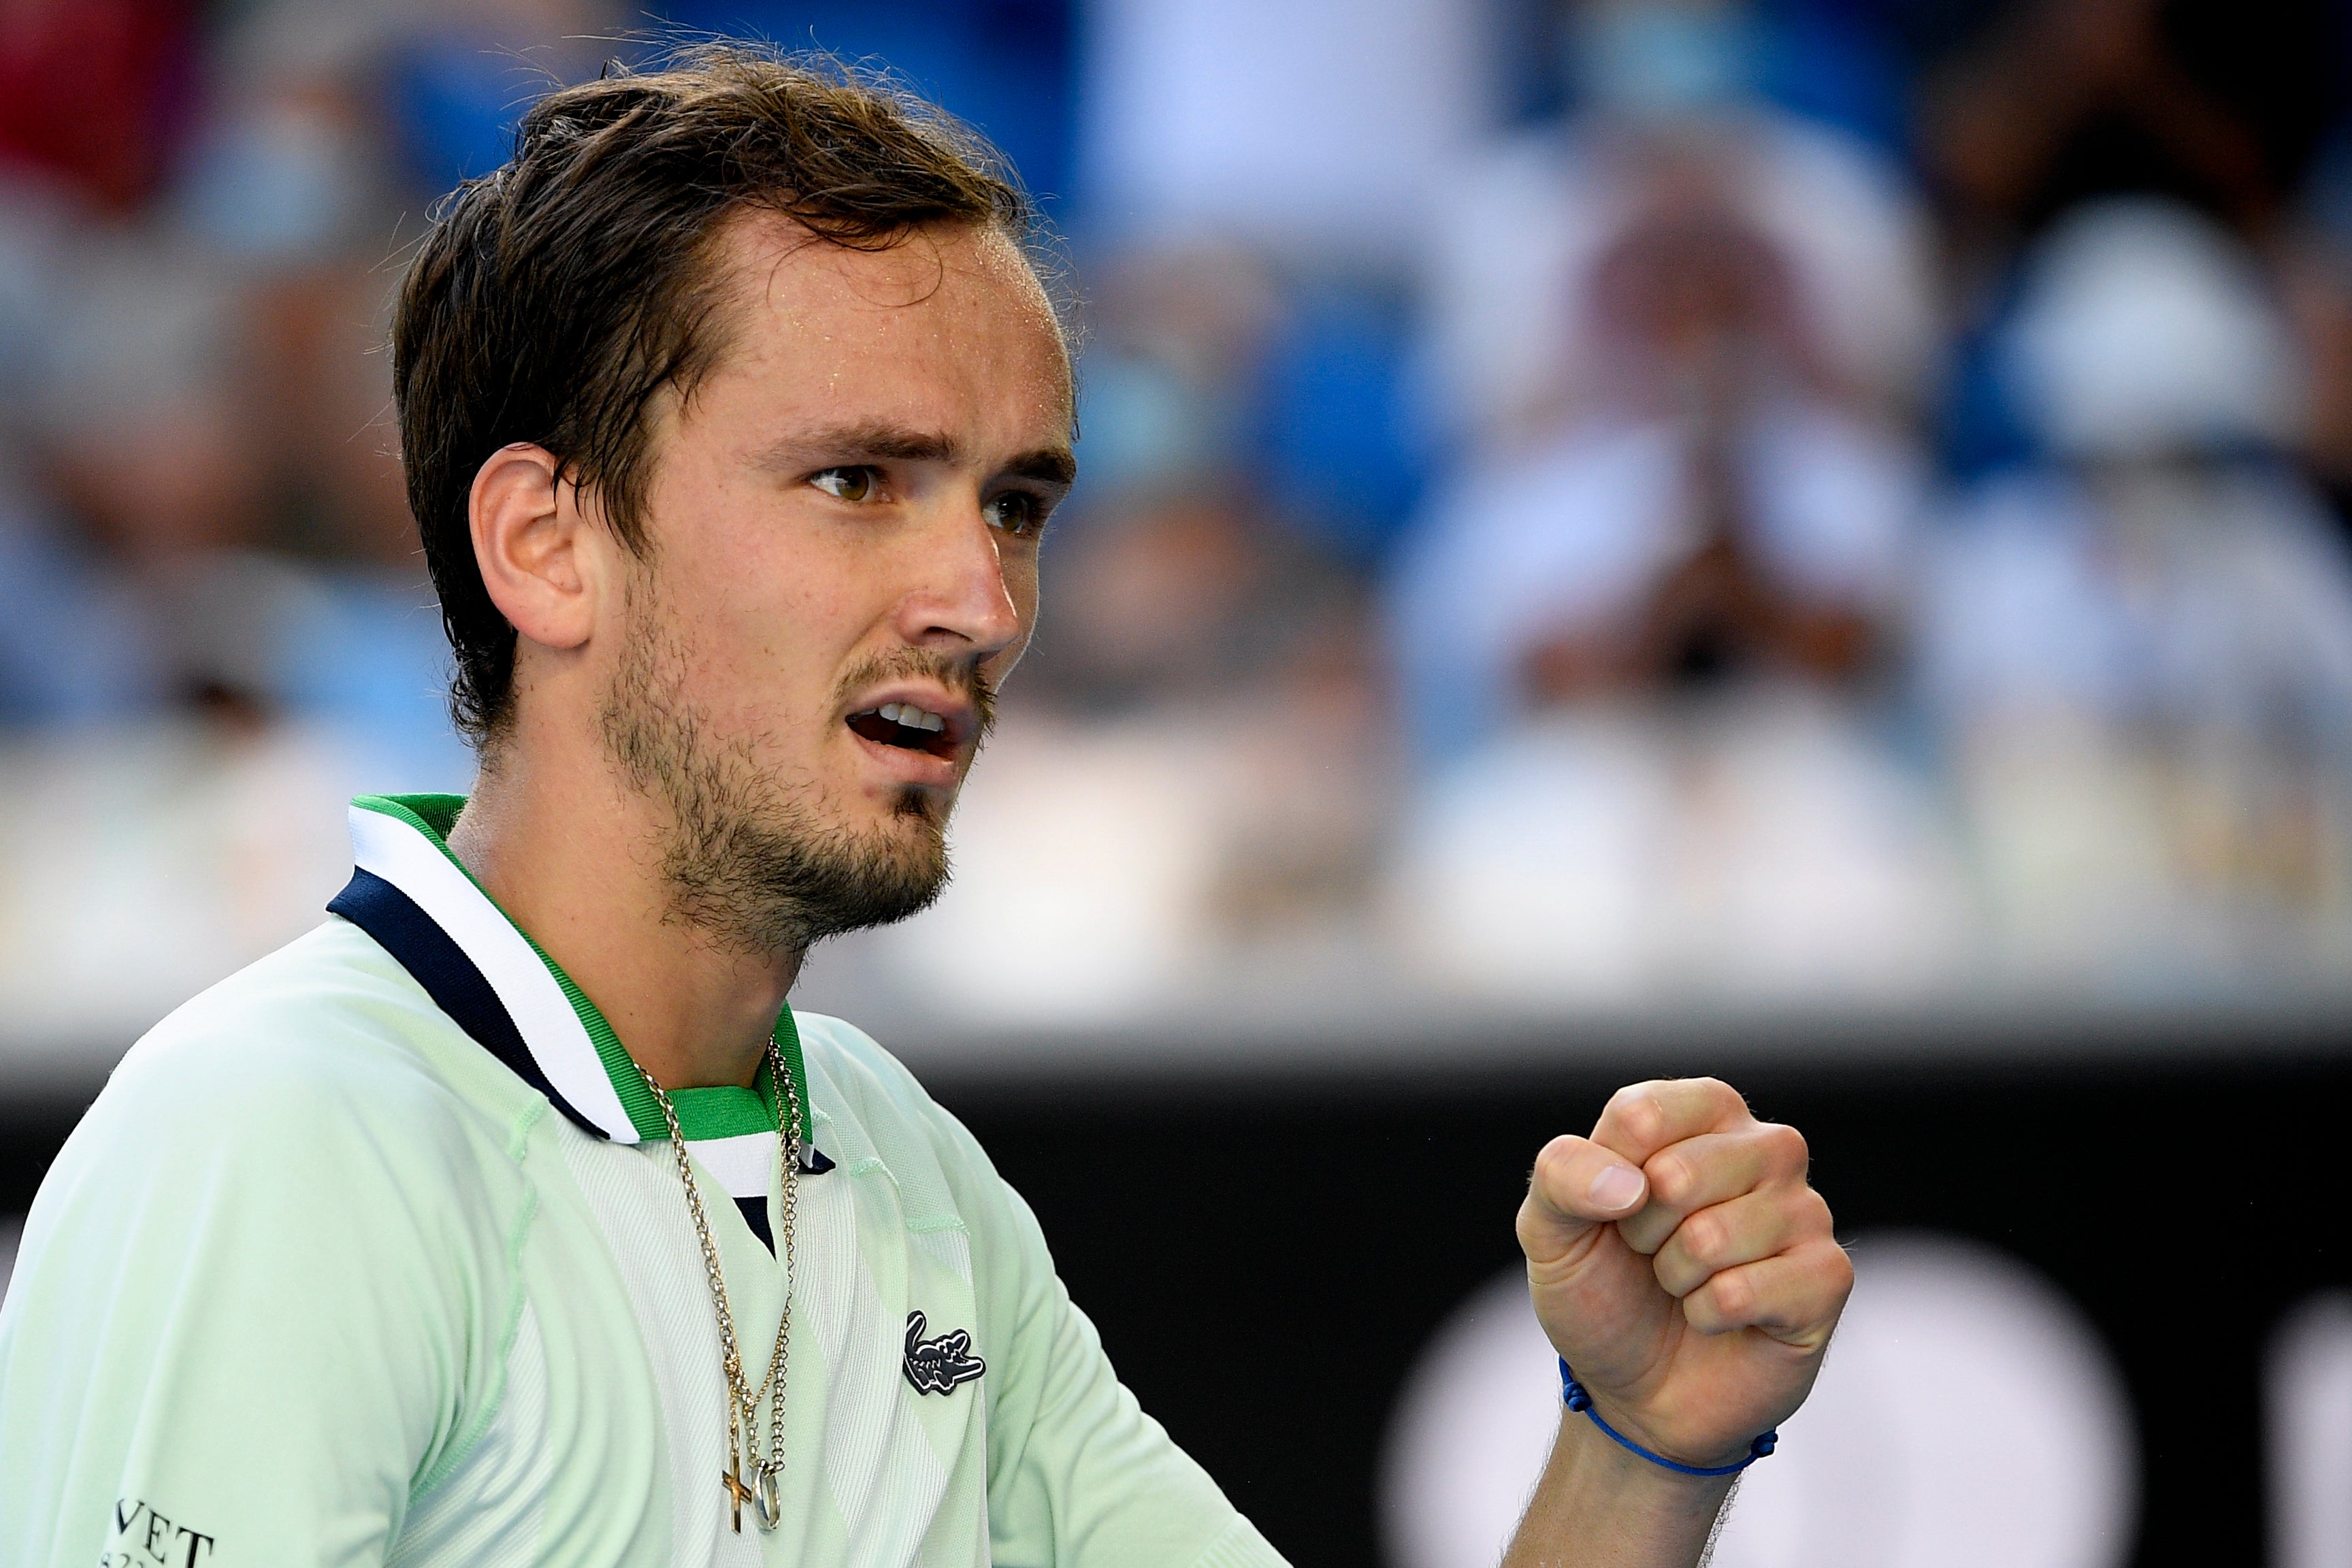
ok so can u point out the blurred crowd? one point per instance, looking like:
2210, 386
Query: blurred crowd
1623, 503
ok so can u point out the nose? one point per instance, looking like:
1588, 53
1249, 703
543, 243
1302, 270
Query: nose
965, 603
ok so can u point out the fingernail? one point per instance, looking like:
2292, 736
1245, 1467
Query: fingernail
1615, 1187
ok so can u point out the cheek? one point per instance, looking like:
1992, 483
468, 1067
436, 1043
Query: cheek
764, 631
1021, 583
1021, 580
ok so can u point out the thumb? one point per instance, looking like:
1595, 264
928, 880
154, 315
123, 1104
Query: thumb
1577, 1188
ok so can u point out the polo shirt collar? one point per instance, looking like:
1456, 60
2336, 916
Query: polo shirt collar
417, 899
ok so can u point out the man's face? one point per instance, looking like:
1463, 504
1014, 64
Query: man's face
843, 520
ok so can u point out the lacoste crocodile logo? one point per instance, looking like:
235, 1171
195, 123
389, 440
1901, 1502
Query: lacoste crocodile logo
936, 1366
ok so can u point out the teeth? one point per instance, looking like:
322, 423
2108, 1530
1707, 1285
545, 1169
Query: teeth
912, 716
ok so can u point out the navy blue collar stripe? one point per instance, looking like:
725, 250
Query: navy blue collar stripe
438, 963
755, 1214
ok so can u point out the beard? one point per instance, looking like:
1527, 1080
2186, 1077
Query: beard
762, 869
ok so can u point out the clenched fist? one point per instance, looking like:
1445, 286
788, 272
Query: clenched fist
1681, 1264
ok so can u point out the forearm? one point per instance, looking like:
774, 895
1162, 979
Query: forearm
1601, 1506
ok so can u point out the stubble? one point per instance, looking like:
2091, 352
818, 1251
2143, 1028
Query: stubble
757, 867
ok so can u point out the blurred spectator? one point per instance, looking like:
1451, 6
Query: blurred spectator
212, 419
1639, 636
148, 426
70, 649
94, 93
1710, 506
2052, 101
2044, 104
1681, 327
1530, 220
2140, 646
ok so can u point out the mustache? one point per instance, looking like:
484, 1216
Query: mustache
962, 677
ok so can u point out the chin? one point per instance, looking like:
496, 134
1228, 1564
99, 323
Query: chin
925, 806
910, 843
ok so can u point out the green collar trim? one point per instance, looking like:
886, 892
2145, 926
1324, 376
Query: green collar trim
725, 1110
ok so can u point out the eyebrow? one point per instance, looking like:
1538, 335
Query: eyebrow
882, 442
1055, 466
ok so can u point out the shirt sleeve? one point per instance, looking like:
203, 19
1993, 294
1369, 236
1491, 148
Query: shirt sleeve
253, 1307
1079, 1476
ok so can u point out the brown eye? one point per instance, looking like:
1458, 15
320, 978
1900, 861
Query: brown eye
1017, 513
853, 484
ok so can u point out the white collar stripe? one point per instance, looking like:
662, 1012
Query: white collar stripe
550, 1029
743, 1164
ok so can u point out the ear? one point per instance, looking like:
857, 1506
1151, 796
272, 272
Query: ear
537, 553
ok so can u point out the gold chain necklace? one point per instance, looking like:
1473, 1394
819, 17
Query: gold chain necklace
743, 1404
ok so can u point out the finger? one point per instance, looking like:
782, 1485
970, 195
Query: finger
1709, 1169
1794, 1297
1728, 1235
1644, 1118
1576, 1185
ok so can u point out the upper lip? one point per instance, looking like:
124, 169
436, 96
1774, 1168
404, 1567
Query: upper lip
961, 716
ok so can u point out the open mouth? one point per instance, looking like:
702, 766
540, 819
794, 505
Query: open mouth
906, 727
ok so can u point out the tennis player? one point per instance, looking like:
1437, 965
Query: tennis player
511, 1217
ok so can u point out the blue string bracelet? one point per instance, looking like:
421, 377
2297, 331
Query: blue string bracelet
1580, 1399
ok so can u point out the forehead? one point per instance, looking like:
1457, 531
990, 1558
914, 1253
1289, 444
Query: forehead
948, 327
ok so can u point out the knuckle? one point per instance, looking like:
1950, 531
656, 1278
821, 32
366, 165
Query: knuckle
1710, 1309
1786, 1146
1703, 1238
1644, 1117
1816, 1215
1822, 1277
1671, 1178
1637, 1099
1720, 1095
1839, 1267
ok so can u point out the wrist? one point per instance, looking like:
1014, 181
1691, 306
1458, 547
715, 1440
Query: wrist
1598, 1505
1639, 1485
1642, 1445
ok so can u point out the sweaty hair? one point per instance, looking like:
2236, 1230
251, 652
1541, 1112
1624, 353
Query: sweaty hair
553, 300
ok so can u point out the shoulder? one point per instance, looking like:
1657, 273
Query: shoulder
853, 1064
277, 1219
331, 1016
876, 1112
322, 1061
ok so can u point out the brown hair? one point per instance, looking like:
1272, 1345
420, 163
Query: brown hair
553, 300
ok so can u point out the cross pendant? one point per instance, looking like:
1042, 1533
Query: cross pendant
738, 1494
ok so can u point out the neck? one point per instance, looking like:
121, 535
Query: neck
574, 856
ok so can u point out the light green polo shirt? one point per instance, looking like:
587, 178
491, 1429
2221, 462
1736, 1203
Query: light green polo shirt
328, 1276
